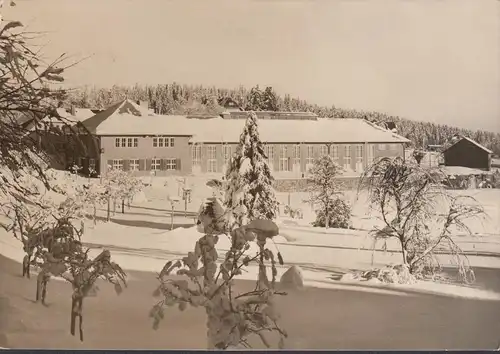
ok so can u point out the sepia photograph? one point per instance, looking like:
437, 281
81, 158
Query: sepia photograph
250, 175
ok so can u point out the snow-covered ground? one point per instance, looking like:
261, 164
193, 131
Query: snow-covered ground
141, 239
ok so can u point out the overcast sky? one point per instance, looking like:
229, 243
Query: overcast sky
431, 60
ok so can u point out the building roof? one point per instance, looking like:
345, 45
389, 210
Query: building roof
66, 117
127, 118
296, 131
471, 141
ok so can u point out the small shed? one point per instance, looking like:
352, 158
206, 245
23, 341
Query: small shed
466, 152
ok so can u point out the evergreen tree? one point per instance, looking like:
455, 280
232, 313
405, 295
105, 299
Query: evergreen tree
270, 100
255, 100
249, 192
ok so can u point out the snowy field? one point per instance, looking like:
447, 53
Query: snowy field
142, 239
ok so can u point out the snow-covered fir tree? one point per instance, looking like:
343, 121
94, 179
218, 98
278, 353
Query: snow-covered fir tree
249, 192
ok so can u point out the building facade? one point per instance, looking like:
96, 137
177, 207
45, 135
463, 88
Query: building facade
132, 138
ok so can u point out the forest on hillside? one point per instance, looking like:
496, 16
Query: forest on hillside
197, 99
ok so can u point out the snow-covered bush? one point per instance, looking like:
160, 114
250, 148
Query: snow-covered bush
418, 212
249, 193
340, 215
232, 316
120, 185
390, 274
325, 194
293, 213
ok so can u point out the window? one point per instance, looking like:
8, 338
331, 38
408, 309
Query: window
126, 142
347, 157
134, 165
283, 158
324, 150
92, 164
212, 158
334, 150
118, 164
359, 158
310, 155
296, 155
170, 164
269, 150
381, 146
371, 154
196, 156
226, 151
163, 142
155, 164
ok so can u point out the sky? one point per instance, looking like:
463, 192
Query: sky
427, 60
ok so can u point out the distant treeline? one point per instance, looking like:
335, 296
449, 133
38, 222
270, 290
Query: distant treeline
188, 99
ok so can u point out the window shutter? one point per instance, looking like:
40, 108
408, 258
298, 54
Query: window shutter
110, 163
126, 165
142, 165
178, 164
148, 164
290, 164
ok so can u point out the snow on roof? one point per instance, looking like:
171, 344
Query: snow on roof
295, 131
81, 114
473, 142
127, 118
463, 171
152, 124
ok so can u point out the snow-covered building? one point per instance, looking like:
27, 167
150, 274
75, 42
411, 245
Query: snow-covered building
131, 137
465, 152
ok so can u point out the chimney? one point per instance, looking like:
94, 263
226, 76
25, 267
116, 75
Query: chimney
73, 110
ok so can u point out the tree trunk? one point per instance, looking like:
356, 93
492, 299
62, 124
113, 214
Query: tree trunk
76, 311
108, 217
172, 219
95, 215
26, 266
404, 253
41, 287
123, 206
114, 206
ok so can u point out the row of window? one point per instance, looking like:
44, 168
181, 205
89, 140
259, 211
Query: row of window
138, 165
167, 142
126, 142
285, 163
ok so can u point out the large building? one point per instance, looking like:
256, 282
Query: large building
130, 136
